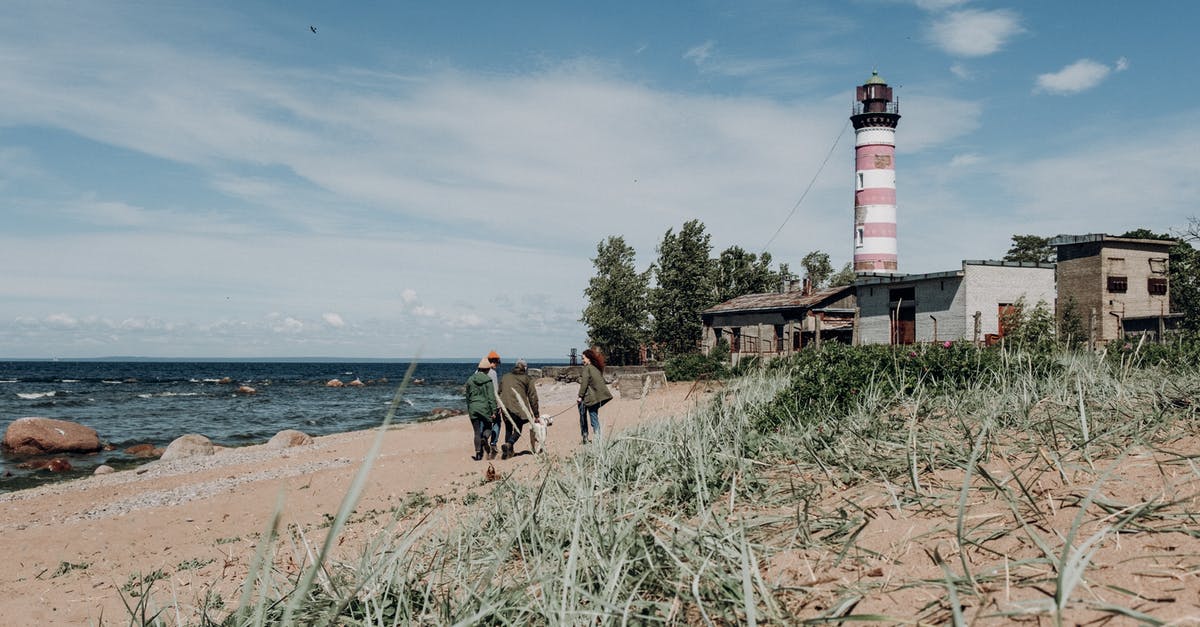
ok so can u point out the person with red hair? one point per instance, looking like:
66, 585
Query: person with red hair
593, 393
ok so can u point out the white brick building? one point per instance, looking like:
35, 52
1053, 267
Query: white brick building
940, 306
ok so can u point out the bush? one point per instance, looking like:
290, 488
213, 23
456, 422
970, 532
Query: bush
714, 365
833, 379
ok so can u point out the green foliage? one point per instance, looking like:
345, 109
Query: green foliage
834, 379
817, 268
1031, 249
684, 289
1072, 331
616, 314
738, 272
843, 277
1029, 328
1182, 354
696, 366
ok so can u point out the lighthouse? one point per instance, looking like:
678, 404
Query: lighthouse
875, 117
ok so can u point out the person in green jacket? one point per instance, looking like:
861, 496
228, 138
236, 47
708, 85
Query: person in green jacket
592, 393
481, 408
518, 396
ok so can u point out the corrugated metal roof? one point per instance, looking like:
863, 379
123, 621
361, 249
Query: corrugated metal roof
1070, 240
777, 300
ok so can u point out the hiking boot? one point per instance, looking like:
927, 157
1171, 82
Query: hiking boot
507, 451
478, 455
491, 452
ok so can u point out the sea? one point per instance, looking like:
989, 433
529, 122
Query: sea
154, 402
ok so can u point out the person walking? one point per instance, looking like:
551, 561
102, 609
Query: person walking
481, 408
494, 374
593, 393
518, 397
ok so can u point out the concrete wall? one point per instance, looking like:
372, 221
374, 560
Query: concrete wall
953, 301
939, 297
989, 286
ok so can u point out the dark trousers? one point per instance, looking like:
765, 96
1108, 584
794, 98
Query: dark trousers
483, 431
512, 430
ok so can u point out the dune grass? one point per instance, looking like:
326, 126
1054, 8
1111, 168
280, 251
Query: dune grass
925, 486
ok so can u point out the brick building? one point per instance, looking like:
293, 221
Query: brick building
1118, 285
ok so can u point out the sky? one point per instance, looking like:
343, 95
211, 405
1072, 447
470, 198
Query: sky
432, 179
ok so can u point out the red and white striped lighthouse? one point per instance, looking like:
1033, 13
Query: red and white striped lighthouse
875, 118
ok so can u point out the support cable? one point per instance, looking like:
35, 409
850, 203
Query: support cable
809, 188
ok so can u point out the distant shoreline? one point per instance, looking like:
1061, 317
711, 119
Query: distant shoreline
269, 360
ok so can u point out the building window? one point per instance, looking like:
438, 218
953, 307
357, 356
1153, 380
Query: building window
860, 181
1118, 284
735, 344
1156, 286
779, 338
858, 237
1158, 265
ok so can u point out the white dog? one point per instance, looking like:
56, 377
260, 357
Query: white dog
537, 435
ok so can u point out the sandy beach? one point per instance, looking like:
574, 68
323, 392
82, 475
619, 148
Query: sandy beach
191, 526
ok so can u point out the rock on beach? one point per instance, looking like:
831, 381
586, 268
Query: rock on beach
189, 445
289, 438
39, 436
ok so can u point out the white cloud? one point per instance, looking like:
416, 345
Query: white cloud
1081, 75
975, 32
408, 296
938, 5
334, 320
61, 320
699, 54
965, 160
961, 71
1121, 65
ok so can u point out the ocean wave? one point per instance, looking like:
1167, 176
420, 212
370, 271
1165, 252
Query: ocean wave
8, 380
111, 381
29, 396
167, 394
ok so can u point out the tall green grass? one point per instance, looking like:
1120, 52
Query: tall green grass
680, 521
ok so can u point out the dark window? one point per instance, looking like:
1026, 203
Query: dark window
779, 338
1156, 286
1118, 284
736, 344
907, 294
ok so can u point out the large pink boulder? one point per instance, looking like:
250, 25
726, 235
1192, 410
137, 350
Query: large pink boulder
38, 436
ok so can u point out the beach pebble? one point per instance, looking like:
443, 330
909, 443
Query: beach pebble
188, 445
334, 383
104, 469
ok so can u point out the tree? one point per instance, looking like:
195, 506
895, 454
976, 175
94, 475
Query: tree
1185, 276
1031, 249
684, 289
845, 276
817, 268
740, 272
616, 315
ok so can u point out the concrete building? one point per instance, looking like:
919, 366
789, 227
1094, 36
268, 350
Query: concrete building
953, 305
875, 117
780, 323
1118, 285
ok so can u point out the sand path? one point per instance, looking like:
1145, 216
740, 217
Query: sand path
70, 549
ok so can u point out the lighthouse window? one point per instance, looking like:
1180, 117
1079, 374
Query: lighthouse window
858, 237
860, 180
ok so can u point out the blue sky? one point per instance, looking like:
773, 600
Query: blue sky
216, 180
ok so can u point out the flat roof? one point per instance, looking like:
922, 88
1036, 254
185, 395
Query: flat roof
1073, 240
874, 279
